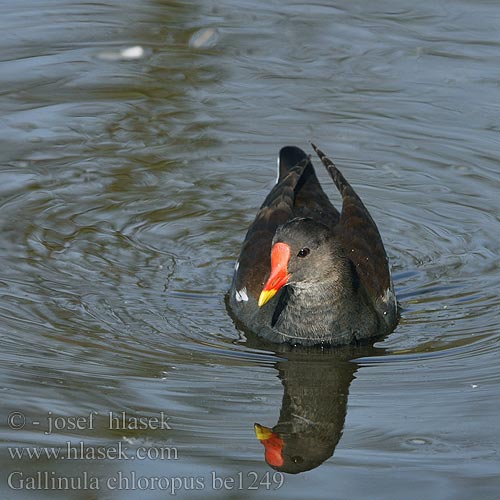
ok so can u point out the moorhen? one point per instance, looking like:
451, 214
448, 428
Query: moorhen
308, 274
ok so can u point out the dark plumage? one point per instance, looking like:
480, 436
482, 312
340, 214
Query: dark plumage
308, 274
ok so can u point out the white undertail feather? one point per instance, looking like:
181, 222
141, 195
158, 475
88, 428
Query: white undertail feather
241, 295
389, 297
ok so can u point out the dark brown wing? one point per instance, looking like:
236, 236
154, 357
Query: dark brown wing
296, 194
360, 237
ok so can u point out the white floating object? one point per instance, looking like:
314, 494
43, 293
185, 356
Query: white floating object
124, 54
418, 441
205, 38
135, 52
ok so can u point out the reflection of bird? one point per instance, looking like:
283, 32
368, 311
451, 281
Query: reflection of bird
308, 274
316, 385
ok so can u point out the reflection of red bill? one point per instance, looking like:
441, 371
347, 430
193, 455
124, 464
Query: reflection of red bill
273, 445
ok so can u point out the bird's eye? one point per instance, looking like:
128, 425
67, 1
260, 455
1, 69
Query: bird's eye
303, 252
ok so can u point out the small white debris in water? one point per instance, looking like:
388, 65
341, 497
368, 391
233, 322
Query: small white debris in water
205, 38
418, 441
125, 54
130, 440
241, 295
135, 52
474, 386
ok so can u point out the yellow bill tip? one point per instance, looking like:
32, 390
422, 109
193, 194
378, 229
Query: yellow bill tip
262, 433
266, 296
